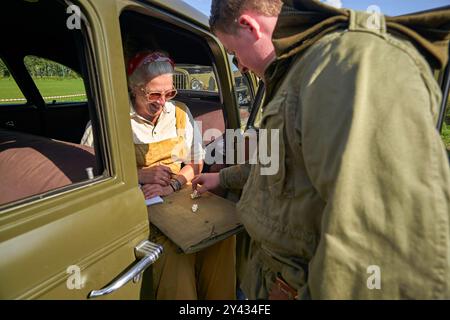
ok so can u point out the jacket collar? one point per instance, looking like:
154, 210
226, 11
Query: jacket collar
304, 22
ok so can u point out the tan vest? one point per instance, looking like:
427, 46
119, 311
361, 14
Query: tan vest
166, 151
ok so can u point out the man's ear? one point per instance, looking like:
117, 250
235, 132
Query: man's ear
251, 24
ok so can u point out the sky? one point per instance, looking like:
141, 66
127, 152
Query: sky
388, 7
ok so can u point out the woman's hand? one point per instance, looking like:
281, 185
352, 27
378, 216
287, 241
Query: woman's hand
155, 175
153, 190
208, 181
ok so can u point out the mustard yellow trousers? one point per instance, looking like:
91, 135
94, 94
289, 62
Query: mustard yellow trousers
209, 274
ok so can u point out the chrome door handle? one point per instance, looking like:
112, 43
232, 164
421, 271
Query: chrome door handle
148, 252
10, 124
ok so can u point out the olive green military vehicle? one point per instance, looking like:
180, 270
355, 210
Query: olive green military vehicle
73, 221
202, 78
192, 77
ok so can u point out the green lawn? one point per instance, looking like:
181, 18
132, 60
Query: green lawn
446, 136
48, 87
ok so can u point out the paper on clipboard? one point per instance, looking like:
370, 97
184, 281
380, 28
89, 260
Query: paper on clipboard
154, 200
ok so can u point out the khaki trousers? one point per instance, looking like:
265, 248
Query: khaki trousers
209, 274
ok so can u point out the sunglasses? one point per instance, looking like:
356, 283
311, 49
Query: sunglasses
156, 95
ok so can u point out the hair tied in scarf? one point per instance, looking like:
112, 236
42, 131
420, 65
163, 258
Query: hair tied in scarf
144, 58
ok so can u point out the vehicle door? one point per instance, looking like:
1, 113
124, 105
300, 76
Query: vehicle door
70, 237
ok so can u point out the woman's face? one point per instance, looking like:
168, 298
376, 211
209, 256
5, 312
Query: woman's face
145, 105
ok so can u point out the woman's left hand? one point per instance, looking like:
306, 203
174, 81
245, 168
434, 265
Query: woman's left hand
153, 190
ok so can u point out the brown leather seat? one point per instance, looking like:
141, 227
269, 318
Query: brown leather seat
31, 165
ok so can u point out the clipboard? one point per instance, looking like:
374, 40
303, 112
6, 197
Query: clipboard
216, 219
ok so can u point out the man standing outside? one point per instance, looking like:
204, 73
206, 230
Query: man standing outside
360, 205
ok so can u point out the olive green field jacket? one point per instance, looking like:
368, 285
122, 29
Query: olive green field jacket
360, 205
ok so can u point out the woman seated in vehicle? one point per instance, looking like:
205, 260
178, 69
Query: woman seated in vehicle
165, 137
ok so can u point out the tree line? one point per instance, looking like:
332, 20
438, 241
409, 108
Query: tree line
41, 68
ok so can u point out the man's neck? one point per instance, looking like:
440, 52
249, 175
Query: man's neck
268, 25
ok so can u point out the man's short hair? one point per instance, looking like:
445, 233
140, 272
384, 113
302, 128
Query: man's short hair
225, 12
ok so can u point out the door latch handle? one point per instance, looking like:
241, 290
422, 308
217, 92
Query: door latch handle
147, 252
10, 124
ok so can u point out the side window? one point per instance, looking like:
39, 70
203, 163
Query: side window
41, 153
56, 83
9, 90
195, 76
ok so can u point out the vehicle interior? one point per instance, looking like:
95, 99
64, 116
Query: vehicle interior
39, 117
44, 118
62, 121
204, 105
39, 132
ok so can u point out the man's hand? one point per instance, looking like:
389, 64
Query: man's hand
153, 190
155, 175
208, 181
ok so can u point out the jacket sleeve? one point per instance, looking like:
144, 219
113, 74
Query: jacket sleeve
367, 129
234, 177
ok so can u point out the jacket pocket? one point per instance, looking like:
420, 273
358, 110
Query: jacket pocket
272, 153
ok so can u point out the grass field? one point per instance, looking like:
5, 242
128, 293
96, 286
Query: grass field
446, 136
48, 87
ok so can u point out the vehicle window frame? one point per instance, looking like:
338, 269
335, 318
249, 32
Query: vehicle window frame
210, 45
91, 82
